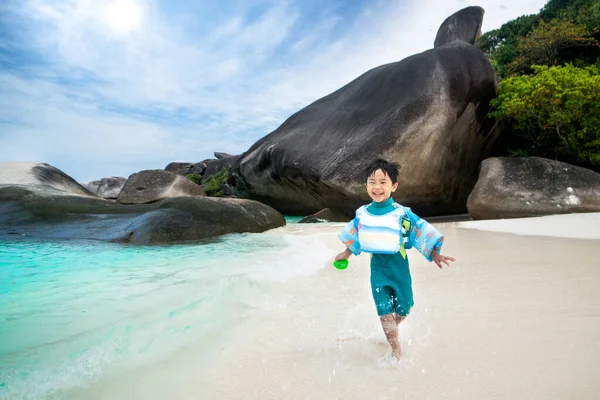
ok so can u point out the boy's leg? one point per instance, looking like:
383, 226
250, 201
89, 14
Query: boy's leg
384, 296
399, 318
390, 328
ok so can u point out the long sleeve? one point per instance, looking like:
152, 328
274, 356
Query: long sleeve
423, 236
349, 236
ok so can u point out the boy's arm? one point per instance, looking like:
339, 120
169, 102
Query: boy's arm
349, 236
424, 237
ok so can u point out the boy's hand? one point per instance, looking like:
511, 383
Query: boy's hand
438, 259
344, 255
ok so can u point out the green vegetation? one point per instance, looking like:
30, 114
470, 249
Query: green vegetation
501, 44
549, 93
565, 31
584, 12
211, 185
554, 43
555, 113
194, 178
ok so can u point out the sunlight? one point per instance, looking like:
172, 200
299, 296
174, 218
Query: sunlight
123, 16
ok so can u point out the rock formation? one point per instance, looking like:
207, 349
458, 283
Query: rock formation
41, 202
514, 187
154, 185
107, 188
427, 112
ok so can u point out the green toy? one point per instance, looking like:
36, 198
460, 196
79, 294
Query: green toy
341, 264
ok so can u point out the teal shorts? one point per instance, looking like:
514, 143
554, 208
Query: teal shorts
391, 284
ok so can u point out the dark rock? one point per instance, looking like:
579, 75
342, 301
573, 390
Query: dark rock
215, 166
226, 190
220, 155
514, 187
42, 176
181, 168
463, 25
154, 185
173, 220
108, 188
427, 112
30, 208
186, 169
198, 168
325, 215
187, 219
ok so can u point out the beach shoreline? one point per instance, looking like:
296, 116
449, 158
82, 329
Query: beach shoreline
515, 317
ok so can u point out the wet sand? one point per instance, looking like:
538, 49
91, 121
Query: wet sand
516, 317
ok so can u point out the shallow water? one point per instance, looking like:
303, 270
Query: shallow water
266, 316
72, 313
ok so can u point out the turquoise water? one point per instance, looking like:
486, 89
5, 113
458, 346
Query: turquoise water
73, 312
292, 219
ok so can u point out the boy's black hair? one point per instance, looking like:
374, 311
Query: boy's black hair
391, 169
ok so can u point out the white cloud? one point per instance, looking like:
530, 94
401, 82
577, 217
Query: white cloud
167, 89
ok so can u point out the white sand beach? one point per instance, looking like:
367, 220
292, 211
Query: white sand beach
516, 317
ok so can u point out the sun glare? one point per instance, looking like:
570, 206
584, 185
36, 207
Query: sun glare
123, 16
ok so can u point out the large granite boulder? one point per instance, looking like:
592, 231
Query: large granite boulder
40, 202
515, 187
426, 112
182, 168
40, 177
463, 25
153, 185
107, 188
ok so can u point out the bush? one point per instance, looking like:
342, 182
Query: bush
555, 113
194, 178
212, 184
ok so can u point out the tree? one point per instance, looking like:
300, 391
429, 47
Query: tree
585, 12
501, 44
553, 43
555, 113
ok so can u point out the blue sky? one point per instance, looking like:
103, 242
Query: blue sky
111, 87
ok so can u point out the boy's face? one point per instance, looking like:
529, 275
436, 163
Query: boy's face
380, 186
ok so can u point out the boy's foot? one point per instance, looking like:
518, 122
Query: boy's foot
389, 360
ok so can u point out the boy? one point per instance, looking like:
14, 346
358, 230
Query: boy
386, 229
